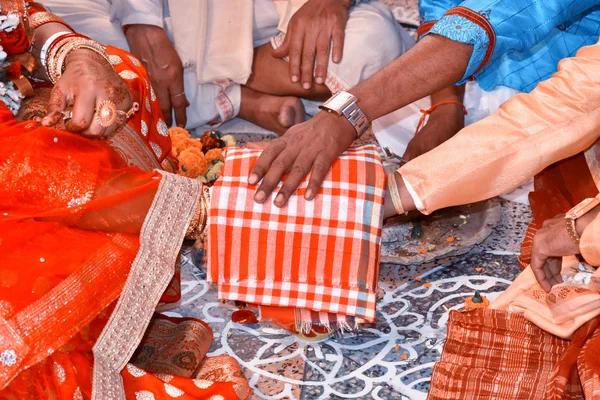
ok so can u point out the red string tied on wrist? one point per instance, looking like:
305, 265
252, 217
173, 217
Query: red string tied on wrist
433, 107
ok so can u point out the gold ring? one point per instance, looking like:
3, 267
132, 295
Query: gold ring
106, 113
179, 94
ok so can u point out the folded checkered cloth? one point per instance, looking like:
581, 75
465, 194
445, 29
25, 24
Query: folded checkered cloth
320, 255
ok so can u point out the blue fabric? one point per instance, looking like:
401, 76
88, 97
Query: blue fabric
433, 10
532, 36
462, 30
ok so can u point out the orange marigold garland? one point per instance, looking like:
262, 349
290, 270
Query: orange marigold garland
201, 158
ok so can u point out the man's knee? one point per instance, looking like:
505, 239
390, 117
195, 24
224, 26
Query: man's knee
374, 38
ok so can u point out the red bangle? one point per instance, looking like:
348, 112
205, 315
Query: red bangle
433, 107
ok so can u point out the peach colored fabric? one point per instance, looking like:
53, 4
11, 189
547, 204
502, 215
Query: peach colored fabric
590, 243
558, 119
562, 311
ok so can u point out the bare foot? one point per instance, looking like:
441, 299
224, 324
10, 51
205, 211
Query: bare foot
275, 113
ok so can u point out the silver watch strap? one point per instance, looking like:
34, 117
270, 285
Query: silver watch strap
357, 118
344, 103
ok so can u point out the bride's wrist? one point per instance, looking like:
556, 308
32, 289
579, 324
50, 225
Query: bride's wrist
64, 47
198, 227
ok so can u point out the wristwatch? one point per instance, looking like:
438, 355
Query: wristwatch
577, 212
343, 103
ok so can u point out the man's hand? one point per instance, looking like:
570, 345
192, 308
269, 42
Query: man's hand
152, 46
444, 122
310, 147
550, 244
309, 35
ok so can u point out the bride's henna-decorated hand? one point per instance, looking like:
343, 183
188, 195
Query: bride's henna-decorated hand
87, 81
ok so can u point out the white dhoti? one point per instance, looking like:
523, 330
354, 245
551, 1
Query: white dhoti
373, 39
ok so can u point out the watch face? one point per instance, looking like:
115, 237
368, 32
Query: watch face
339, 101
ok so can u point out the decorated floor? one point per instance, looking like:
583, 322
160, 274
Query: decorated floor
389, 360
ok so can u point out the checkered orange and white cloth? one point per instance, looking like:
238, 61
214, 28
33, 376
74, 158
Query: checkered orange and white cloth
320, 256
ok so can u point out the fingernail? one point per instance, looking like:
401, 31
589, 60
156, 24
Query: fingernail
319, 80
279, 199
294, 78
253, 179
309, 194
306, 85
336, 59
260, 197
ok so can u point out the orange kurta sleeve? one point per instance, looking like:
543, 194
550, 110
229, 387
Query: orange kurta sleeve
589, 246
558, 119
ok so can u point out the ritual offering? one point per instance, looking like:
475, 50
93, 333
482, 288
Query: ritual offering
447, 232
476, 301
200, 158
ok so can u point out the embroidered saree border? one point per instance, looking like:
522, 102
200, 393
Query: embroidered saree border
40, 326
133, 150
160, 241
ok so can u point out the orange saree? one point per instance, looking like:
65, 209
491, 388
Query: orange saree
89, 240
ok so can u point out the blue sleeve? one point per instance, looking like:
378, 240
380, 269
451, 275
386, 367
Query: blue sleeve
430, 11
497, 27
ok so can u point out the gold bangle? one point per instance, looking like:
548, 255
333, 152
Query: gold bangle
57, 57
193, 226
199, 222
395, 194
572, 229
206, 203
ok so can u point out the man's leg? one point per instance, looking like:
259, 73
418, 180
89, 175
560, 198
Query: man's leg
373, 39
270, 99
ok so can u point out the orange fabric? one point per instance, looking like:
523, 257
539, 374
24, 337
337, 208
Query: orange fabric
148, 122
319, 257
71, 210
433, 107
500, 355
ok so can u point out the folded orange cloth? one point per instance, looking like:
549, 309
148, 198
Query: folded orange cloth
320, 255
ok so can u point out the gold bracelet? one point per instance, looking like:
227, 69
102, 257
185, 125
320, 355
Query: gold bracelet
572, 230
395, 194
193, 226
199, 222
206, 203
